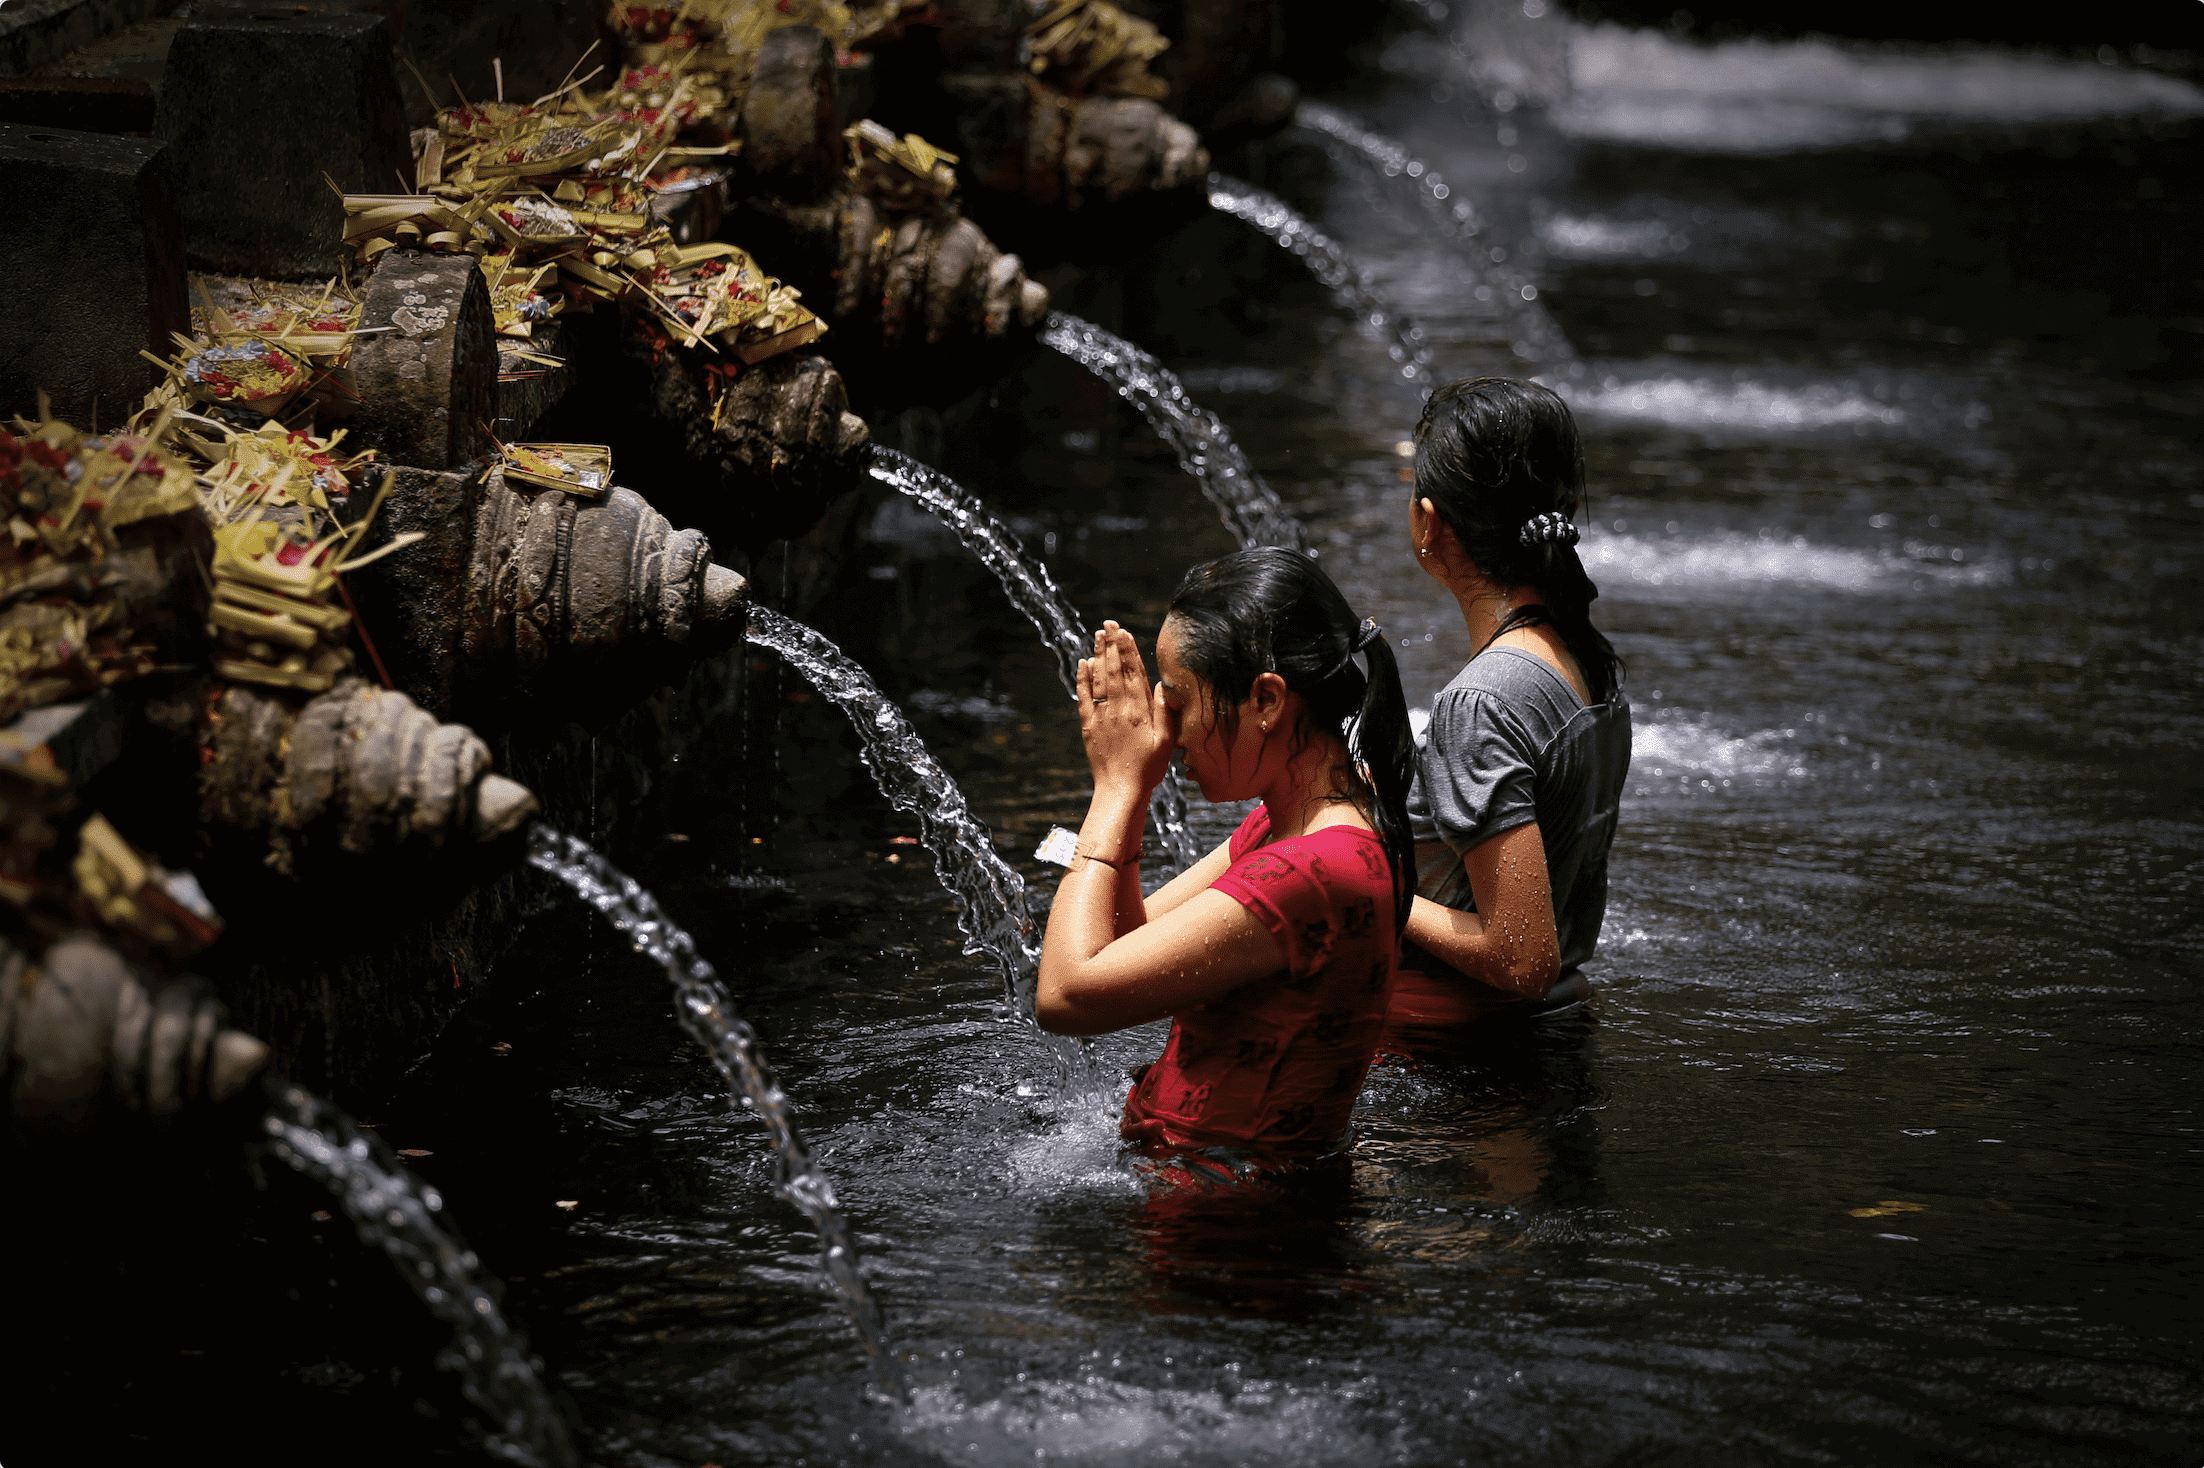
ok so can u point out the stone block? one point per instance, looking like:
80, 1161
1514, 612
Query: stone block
262, 109
791, 116
80, 104
538, 43
109, 86
91, 273
412, 602
428, 386
33, 32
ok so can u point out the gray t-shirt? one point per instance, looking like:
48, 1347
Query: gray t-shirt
1510, 743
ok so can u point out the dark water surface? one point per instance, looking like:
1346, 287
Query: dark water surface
1880, 1139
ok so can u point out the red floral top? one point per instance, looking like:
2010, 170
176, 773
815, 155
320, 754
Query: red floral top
1273, 1067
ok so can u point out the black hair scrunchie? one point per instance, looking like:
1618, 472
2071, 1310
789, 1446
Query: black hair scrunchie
1549, 529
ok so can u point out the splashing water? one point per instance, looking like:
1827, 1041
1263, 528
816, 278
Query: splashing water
1538, 339
1034, 592
393, 1211
990, 895
1327, 260
1250, 508
705, 1011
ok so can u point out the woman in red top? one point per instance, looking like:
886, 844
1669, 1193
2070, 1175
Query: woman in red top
1274, 954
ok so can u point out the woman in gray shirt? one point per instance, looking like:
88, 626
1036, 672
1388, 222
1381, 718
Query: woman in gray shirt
1521, 774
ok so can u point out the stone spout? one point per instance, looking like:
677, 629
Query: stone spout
86, 1040
360, 768
1022, 137
898, 277
553, 574
767, 451
510, 585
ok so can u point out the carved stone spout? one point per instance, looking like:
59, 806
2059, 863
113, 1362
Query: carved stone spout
1026, 138
511, 588
359, 768
761, 454
553, 574
86, 1040
899, 278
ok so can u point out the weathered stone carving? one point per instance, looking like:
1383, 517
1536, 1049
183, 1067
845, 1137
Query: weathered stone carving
361, 768
776, 442
427, 383
1024, 137
86, 1040
901, 278
553, 574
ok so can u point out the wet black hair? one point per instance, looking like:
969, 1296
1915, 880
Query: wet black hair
1270, 610
1493, 454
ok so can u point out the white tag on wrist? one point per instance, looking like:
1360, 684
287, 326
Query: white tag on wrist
1058, 847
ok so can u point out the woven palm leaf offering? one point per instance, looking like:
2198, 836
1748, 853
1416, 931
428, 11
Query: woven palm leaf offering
695, 98
721, 36
909, 174
522, 298
374, 223
583, 469
716, 294
276, 615
268, 349
76, 586
1093, 46
161, 915
278, 500
274, 466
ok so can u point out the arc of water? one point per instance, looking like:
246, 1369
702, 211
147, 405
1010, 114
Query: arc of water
990, 894
702, 1005
1250, 508
1538, 338
1024, 580
1327, 260
396, 1213
1034, 592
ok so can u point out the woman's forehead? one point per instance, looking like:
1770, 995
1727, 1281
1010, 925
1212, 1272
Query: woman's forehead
1168, 666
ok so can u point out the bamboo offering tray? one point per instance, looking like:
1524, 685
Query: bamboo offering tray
583, 469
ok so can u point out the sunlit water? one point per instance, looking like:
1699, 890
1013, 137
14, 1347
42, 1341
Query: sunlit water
1878, 1142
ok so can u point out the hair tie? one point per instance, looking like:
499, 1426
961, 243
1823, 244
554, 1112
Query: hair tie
1549, 529
1370, 633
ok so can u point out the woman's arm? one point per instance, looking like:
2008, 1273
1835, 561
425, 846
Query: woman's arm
1510, 942
1093, 982
1190, 883
1108, 960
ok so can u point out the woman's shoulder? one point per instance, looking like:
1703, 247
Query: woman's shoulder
1332, 857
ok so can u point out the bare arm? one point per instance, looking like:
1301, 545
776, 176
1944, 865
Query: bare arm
1510, 942
1194, 880
1109, 960
1092, 982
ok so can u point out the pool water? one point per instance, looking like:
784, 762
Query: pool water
1879, 1140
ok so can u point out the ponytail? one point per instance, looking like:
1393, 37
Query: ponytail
1569, 593
1382, 746
1270, 610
